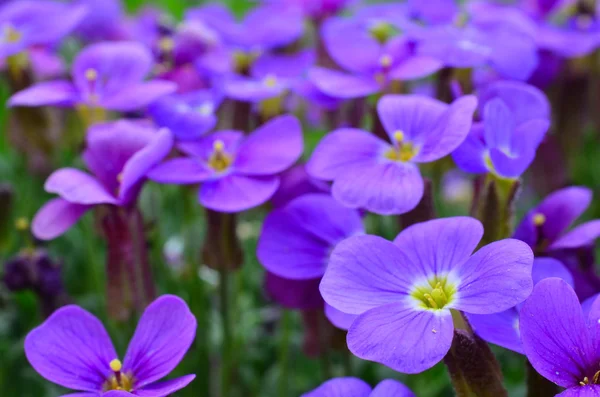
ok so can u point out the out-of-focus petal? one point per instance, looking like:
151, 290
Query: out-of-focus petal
56, 217
235, 193
57, 93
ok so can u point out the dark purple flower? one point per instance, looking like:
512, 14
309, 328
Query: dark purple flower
354, 387
560, 340
236, 172
515, 117
105, 76
503, 328
119, 155
73, 350
383, 177
296, 182
410, 287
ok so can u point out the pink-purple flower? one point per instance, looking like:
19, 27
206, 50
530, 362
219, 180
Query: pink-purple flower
354, 387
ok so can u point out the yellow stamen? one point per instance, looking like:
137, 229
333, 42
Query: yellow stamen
218, 145
219, 160
539, 219
399, 136
434, 294
432, 303
596, 378
382, 31
11, 35
404, 152
115, 365
91, 74
585, 381
206, 109
385, 61
120, 177
166, 44
270, 81
22, 224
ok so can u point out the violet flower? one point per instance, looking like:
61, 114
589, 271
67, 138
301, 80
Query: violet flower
118, 154
560, 340
318, 10
236, 172
104, 21
107, 76
503, 328
354, 387
411, 286
310, 226
383, 177
73, 350
515, 117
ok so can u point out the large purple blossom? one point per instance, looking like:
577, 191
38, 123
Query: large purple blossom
72, 349
354, 387
118, 154
236, 172
411, 286
382, 177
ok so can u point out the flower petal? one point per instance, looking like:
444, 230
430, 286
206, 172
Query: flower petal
549, 267
498, 125
554, 334
339, 319
501, 329
343, 85
138, 96
180, 171
584, 234
342, 37
71, 349
426, 337
166, 388
525, 101
163, 335
78, 187
383, 188
272, 148
56, 217
391, 388
495, 278
441, 244
470, 155
581, 391
57, 93
235, 193
415, 67
341, 387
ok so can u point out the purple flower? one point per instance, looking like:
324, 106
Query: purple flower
354, 387
118, 154
28, 23
104, 21
309, 226
384, 178
560, 340
188, 116
411, 286
236, 172
503, 328
318, 10
73, 350
105, 76
296, 182
515, 117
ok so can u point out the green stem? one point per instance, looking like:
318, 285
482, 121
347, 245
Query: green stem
284, 349
226, 328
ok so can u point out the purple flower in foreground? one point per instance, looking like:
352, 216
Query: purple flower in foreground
72, 349
236, 172
310, 226
105, 76
515, 117
411, 286
384, 178
118, 154
503, 328
354, 387
560, 340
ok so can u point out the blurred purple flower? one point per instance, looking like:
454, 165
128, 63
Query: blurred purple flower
119, 154
503, 328
354, 387
296, 182
104, 21
410, 287
515, 117
384, 178
106, 76
318, 10
560, 340
73, 350
236, 172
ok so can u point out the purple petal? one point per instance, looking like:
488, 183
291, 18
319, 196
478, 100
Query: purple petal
383, 188
342, 38
339, 319
439, 245
581, 391
294, 294
365, 272
343, 85
525, 102
71, 349
283, 66
591, 311
56, 217
57, 93
296, 182
269, 26
391, 388
549, 267
252, 89
180, 171
309, 226
78, 187
582, 235
554, 334
498, 125
470, 155
528, 136
342, 148
235, 193
415, 67
341, 387
426, 337
495, 278
163, 335
501, 328
272, 148
81, 395
166, 388
508, 166
117, 393
138, 96
204, 147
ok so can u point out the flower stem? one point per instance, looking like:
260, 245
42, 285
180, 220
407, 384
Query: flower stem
226, 330
284, 349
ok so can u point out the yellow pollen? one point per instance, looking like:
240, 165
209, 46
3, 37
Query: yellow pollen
120, 177
431, 301
22, 224
382, 31
115, 365
539, 219
596, 378
205, 109
11, 34
434, 294
91, 74
385, 61
399, 136
166, 44
219, 160
270, 81
404, 152
218, 145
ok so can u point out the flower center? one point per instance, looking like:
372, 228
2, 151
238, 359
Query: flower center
595, 379
382, 31
219, 160
270, 81
435, 294
385, 61
11, 35
118, 380
243, 60
539, 219
206, 109
401, 151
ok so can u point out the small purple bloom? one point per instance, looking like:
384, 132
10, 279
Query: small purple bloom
106, 76
236, 172
73, 350
411, 286
354, 387
118, 154
515, 117
382, 177
560, 340
104, 21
